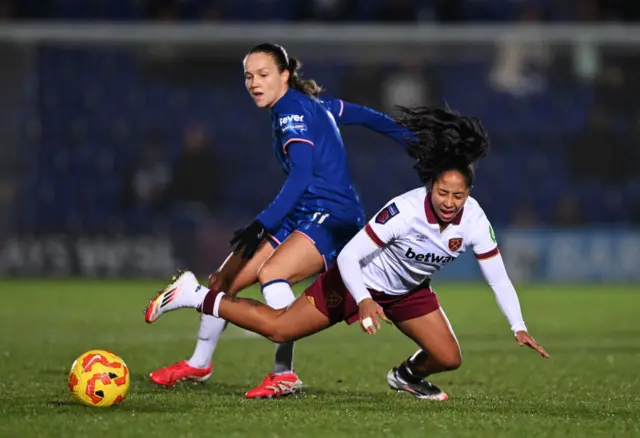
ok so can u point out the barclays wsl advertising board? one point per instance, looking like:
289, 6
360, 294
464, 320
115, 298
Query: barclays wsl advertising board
585, 256
604, 256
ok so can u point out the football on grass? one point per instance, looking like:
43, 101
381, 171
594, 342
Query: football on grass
99, 378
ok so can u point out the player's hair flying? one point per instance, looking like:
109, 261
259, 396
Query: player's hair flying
443, 140
292, 65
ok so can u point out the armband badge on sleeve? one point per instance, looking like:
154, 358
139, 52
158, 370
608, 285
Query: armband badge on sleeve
387, 214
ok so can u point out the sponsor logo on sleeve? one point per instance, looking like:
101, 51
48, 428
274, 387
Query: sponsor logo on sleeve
387, 214
292, 123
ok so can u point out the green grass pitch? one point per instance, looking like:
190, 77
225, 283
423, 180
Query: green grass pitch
589, 387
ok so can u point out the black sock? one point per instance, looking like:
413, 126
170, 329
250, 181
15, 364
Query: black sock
405, 372
284, 358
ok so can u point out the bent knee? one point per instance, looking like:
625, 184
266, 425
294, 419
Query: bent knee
276, 331
269, 272
280, 336
451, 361
271, 331
281, 333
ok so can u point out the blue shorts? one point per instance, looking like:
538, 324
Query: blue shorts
328, 234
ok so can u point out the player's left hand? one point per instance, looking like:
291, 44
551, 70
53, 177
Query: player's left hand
248, 239
525, 338
370, 310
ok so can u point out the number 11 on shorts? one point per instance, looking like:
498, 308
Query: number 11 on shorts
319, 217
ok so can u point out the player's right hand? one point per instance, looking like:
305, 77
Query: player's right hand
246, 240
370, 309
525, 338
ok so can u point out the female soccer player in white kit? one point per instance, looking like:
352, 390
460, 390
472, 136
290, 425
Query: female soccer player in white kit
385, 270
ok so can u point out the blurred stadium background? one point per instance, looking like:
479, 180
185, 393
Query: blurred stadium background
130, 146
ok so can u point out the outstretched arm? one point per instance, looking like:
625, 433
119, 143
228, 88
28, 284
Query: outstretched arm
495, 273
485, 247
346, 113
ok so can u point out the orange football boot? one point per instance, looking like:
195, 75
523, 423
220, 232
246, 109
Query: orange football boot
276, 385
178, 372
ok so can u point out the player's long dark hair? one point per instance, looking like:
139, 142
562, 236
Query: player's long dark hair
443, 140
292, 65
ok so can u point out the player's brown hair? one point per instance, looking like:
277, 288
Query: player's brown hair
443, 140
292, 65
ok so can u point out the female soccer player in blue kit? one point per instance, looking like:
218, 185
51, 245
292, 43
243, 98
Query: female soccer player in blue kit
301, 232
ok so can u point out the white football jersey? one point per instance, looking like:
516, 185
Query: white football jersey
412, 247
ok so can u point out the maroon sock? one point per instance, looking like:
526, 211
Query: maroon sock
207, 304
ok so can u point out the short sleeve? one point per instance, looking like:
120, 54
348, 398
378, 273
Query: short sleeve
483, 239
295, 124
391, 222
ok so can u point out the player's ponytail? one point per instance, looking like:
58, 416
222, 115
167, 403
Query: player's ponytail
292, 65
307, 86
443, 140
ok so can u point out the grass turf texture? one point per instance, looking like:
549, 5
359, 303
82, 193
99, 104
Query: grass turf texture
589, 387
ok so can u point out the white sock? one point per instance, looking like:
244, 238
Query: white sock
208, 336
278, 294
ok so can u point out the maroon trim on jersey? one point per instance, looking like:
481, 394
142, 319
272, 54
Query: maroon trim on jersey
487, 255
373, 236
432, 218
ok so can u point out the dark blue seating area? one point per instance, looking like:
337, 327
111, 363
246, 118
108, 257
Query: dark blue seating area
95, 108
272, 10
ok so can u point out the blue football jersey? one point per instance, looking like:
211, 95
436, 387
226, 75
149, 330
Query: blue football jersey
301, 121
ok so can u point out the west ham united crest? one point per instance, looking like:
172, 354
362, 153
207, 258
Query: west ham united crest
455, 244
332, 298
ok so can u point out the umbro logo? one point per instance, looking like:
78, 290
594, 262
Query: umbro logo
421, 238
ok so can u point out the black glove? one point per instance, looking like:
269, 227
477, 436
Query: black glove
248, 239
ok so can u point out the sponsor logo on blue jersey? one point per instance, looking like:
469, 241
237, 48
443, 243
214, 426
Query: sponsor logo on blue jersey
293, 123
